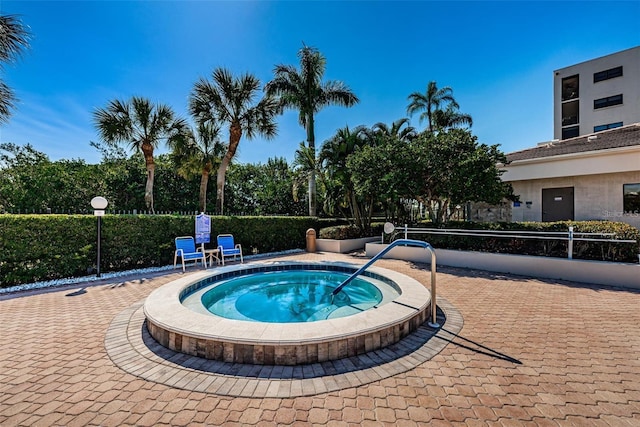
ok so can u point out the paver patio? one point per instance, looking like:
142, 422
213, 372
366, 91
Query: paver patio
530, 352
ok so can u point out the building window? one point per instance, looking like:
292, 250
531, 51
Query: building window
607, 102
607, 126
607, 74
570, 87
570, 132
570, 112
631, 198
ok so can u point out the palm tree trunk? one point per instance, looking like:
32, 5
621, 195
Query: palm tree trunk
445, 211
312, 194
367, 224
235, 133
432, 213
311, 142
222, 170
204, 181
355, 210
147, 151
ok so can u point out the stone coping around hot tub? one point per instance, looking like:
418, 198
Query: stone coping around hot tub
164, 309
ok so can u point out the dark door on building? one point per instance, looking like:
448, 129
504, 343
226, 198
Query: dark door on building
557, 204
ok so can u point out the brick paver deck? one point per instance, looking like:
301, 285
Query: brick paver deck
530, 352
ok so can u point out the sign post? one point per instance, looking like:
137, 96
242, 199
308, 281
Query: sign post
203, 229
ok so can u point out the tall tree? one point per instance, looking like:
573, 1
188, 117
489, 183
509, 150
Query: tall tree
14, 38
199, 152
262, 189
397, 130
304, 90
450, 118
276, 196
430, 101
438, 170
339, 186
30, 182
144, 126
304, 164
232, 100
384, 173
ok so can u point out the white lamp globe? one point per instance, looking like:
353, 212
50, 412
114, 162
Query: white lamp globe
99, 203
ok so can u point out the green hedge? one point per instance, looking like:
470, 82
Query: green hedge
45, 247
619, 252
342, 232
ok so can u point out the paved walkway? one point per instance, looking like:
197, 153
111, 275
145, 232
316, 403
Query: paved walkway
530, 352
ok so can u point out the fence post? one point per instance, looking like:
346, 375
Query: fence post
405, 231
570, 244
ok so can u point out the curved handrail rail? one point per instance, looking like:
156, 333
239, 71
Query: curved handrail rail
404, 242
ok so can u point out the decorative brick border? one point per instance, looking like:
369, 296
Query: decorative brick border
133, 350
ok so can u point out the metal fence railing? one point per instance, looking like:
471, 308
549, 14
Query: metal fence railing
570, 236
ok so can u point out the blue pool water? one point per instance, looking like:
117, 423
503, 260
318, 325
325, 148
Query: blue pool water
290, 296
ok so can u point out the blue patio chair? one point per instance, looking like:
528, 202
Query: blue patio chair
186, 250
227, 247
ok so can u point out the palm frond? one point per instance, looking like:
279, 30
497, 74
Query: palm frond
335, 93
114, 123
14, 38
431, 103
312, 65
7, 100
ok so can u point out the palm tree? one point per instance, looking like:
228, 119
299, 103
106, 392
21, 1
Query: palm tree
305, 91
430, 101
231, 100
304, 164
450, 118
143, 125
396, 130
333, 159
199, 151
14, 37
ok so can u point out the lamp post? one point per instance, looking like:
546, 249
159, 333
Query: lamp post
99, 204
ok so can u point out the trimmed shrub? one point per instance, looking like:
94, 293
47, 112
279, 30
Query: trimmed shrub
37, 247
45, 247
342, 232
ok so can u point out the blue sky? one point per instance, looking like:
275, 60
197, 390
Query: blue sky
498, 57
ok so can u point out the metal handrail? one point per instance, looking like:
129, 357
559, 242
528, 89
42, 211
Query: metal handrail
518, 234
405, 242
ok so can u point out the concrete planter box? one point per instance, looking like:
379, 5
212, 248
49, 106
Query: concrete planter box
575, 270
343, 246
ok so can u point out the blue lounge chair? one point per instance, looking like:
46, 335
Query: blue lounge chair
227, 247
186, 250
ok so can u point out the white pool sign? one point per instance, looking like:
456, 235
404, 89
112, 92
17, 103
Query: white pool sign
203, 228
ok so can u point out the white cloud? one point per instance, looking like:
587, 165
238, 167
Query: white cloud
60, 127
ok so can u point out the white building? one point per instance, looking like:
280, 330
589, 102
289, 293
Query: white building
591, 170
590, 177
596, 95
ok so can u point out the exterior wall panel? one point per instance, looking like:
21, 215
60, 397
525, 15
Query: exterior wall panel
596, 197
627, 84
